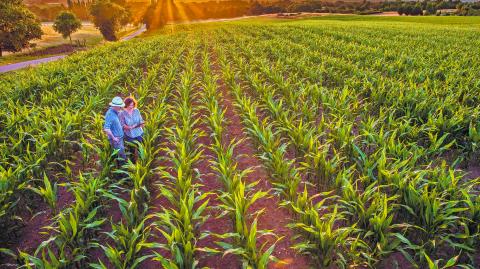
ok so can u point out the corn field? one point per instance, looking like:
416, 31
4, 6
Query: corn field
317, 143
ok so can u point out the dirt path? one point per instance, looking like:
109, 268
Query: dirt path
33, 232
274, 218
211, 183
142, 29
21, 65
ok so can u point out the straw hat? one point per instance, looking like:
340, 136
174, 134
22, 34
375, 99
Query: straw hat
117, 101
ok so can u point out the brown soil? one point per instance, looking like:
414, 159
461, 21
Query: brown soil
274, 218
33, 231
211, 184
112, 213
156, 204
395, 260
473, 170
215, 224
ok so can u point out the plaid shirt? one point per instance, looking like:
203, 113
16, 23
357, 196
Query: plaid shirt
132, 120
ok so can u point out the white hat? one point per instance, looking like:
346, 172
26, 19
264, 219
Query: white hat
117, 101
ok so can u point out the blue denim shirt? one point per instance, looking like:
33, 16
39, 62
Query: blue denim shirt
132, 120
112, 122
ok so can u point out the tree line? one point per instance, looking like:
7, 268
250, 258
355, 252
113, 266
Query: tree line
367, 7
18, 25
433, 8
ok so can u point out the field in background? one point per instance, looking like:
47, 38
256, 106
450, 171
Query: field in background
330, 141
445, 20
88, 32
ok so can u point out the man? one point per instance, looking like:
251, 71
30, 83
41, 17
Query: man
113, 127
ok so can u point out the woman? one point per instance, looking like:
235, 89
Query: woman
132, 122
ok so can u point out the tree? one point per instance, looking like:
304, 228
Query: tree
431, 8
17, 26
67, 23
407, 9
108, 17
417, 10
155, 16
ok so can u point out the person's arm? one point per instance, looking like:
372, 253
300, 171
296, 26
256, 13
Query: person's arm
138, 117
121, 117
110, 135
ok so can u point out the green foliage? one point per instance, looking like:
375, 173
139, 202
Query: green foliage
108, 17
49, 193
66, 24
18, 26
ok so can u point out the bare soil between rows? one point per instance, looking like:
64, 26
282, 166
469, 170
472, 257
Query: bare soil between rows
274, 217
36, 215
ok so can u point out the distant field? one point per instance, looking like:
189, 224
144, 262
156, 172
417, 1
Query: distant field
447, 20
330, 142
88, 32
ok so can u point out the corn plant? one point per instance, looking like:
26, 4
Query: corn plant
49, 193
179, 224
284, 171
252, 256
452, 262
325, 241
236, 197
128, 246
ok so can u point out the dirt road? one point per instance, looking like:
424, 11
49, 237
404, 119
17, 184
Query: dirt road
134, 34
16, 66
